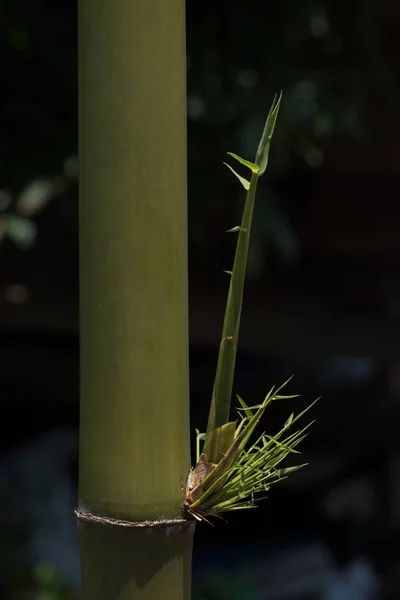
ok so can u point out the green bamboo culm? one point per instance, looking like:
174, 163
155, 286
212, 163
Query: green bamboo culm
222, 391
134, 417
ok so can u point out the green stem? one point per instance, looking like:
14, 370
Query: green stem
125, 562
222, 392
134, 419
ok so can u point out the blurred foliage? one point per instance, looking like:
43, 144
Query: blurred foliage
328, 58
18, 581
327, 55
49, 585
224, 586
14, 536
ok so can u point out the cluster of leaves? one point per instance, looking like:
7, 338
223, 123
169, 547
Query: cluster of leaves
228, 474
243, 472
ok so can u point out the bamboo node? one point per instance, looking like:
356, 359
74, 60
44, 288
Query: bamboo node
89, 517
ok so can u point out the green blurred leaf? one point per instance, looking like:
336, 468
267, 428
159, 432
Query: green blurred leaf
234, 229
245, 183
254, 168
262, 153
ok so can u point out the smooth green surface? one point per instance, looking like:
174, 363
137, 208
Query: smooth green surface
262, 153
222, 391
134, 445
127, 563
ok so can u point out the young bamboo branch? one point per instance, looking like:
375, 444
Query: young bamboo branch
227, 474
222, 390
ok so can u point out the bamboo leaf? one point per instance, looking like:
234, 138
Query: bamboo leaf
242, 488
254, 168
199, 437
241, 473
234, 229
245, 183
226, 462
262, 154
247, 409
290, 419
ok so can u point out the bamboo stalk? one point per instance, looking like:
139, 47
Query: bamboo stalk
127, 562
222, 392
134, 420
218, 436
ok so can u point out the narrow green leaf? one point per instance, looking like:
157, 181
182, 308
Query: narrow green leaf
287, 470
290, 419
237, 228
254, 168
246, 409
199, 438
262, 154
240, 426
242, 473
245, 183
281, 445
242, 488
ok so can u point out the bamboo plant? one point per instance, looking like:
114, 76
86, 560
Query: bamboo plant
230, 471
139, 499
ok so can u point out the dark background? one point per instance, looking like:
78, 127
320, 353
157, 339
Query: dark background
322, 298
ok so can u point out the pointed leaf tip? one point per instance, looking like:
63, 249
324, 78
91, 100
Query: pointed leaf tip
253, 167
262, 154
245, 183
237, 228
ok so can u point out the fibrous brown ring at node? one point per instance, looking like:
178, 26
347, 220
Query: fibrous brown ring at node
89, 517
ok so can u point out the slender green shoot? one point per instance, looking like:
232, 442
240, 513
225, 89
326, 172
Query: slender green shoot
230, 474
223, 384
